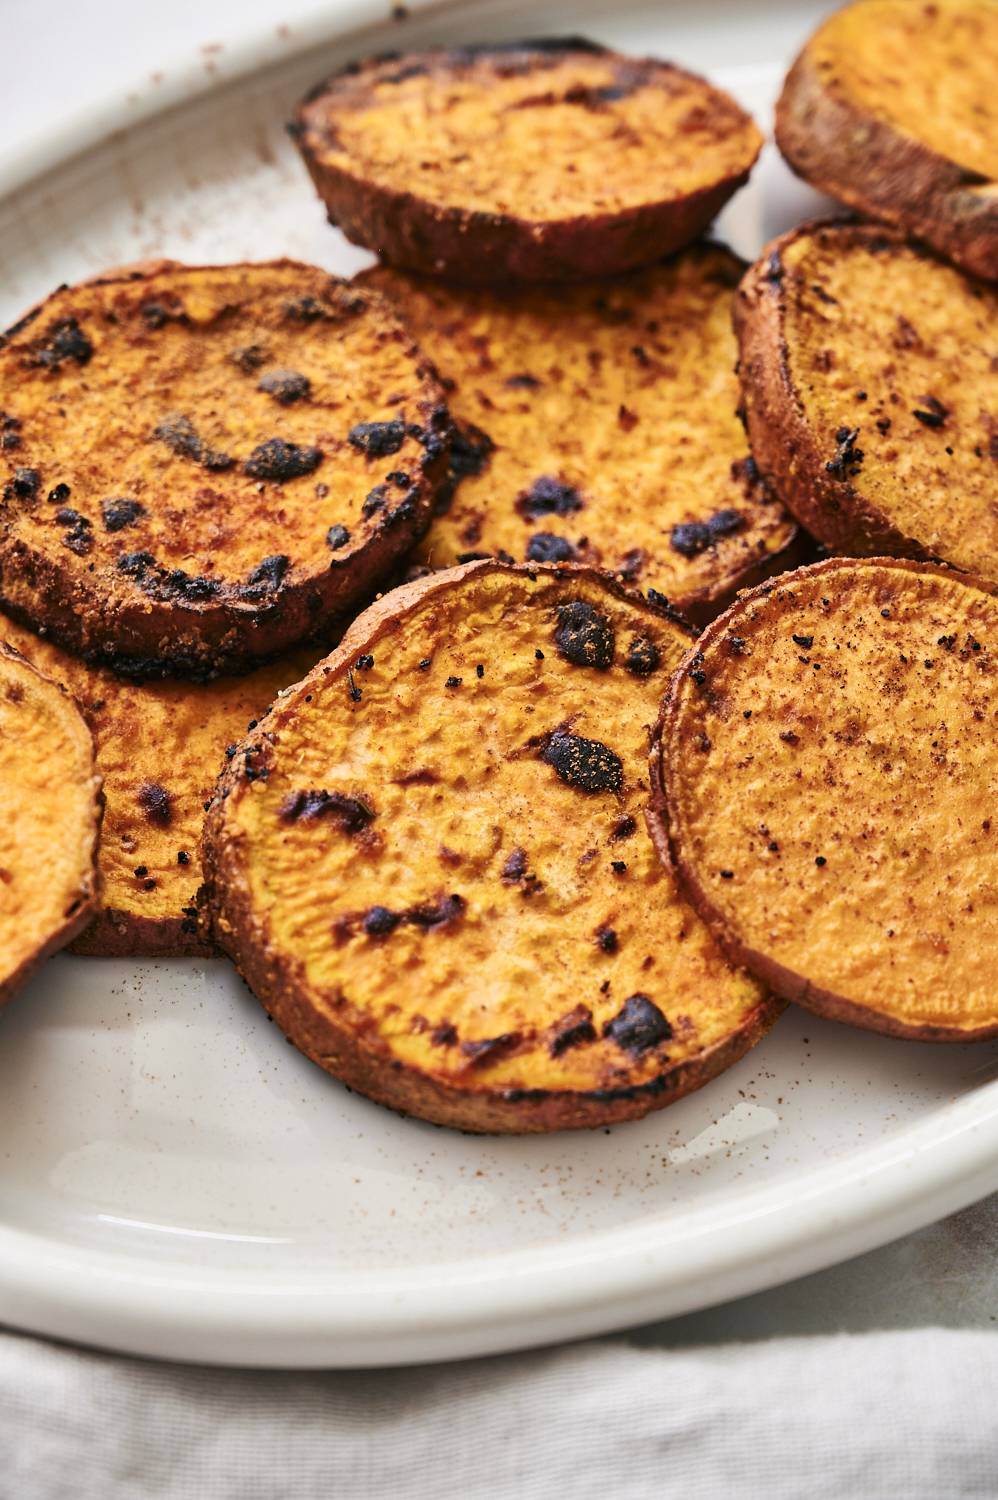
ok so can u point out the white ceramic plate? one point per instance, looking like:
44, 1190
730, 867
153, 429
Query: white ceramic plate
176, 1180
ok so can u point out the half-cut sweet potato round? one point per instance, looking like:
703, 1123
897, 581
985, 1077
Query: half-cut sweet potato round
159, 747
50, 806
541, 160
870, 383
202, 466
891, 108
430, 862
596, 423
825, 777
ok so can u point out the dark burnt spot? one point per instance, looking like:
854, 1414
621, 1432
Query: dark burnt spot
588, 765
432, 914
548, 497
158, 314
444, 1035
280, 461
118, 514
848, 459
515, 867
584, 636
471, 449
421, 777
365, 662
10, 432
67, 516
638, 1025
268, 575
374, 501
631, 563
181, 437
305, 310
352, 814
157, 804
59, 495
136, 564
643, 657
545, 547
607, 940
377, 439
572, 1030
523, 382
380, 921
286, 386
79, 537
690, 538
932, 413
623, 829
63, 340
490, 1049
745, 470
166, 584
774, 268
337, 537
24, 485
249, 359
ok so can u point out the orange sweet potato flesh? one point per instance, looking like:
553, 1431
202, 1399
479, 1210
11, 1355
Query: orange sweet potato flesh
159, 747
891, 107
442, 887
870, 383
202, 466
596, 423
523, 161
50, 808
826, 779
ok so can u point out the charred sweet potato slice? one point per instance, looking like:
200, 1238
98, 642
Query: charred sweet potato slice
532, 160
430, 862
159, 747
596, 423
870, 382
50, 807
891, 107
201, 466
826, 776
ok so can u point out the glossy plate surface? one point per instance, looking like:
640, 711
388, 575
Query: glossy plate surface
176, 1180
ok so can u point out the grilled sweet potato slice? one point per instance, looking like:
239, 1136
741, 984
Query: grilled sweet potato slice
201, 466
430, 861
596, 423
870, 383
50, 806
891, 107
159, 747
529, 160
827, 771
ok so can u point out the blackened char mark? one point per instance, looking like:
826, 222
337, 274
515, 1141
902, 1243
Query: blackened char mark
690, 538
548, 497
24, 485
166, 583
181, 437
63, 340
428, 916
545, 547
515, 867
280, 461
638, 1025
352, 814
848, 459
377, 439
471, 449
643, 657
572, 1030
588, 765
118, 514
490, 1049
157, 804
268, 575
337, 537
286, 386
584, 636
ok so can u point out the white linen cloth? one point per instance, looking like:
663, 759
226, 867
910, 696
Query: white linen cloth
892, 1416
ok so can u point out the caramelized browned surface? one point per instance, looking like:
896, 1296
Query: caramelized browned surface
431, 862
596, 423
870, 377
202, 465
160, 746
513, 159
830, 770
49, 817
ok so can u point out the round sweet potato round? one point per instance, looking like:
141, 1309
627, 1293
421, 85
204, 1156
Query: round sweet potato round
50, 806
201, 466
825, 778
159, 747
870, 384
891, 107
596, 423
430, 861
529, 160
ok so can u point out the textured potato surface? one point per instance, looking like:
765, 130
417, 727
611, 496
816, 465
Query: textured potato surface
200, 460
538, 132
596, 423
830, 766
160, 746
870, 374
432, 864
49, 816
927, 68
